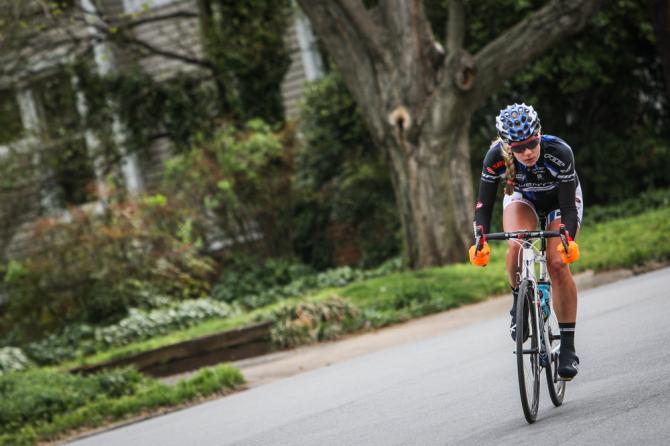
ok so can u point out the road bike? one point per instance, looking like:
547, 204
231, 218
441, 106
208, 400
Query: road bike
540, 349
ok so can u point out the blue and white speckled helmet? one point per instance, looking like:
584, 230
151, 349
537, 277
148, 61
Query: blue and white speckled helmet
517, 122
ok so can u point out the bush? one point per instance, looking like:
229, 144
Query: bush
12, 359
302, 282
44, 405
237, 185
247, 276
306, 322
38, 396
645, 201
95, 267
344, 211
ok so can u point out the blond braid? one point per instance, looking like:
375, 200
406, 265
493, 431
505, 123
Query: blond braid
510, 170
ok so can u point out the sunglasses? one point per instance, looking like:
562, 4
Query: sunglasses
521, 146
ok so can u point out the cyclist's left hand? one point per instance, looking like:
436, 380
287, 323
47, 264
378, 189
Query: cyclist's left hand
573, 252
482, 257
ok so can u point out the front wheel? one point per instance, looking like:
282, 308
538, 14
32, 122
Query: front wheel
555, 386
528, 351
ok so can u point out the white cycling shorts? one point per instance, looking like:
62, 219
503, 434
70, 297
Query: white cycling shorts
516, 197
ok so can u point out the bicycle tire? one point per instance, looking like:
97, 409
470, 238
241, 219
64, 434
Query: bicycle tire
556, 388
527, 352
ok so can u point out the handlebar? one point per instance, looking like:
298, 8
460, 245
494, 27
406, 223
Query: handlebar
480, 237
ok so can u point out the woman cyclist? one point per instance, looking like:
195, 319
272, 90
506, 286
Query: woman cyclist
540, 178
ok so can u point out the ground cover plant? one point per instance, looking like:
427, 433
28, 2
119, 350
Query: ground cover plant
44, 405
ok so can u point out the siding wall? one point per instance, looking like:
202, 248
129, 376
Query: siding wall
293, 83
179, 35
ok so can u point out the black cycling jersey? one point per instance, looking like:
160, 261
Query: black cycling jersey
549, 184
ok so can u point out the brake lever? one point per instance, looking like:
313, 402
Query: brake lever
480, 238
565, 236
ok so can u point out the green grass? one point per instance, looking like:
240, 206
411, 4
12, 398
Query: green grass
625, 242
57, 419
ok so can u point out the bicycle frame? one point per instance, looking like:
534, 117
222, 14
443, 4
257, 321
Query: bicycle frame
529, 255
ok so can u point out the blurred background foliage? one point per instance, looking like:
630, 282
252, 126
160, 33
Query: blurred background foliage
253, 208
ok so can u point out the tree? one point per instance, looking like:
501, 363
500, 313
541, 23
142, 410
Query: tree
418, 100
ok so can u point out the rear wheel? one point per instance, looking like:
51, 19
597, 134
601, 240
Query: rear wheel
527, 351
556, 387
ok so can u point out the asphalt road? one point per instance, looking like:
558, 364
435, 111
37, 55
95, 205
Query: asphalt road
456, 388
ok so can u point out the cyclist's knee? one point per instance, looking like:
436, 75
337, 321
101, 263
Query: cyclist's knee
557, 269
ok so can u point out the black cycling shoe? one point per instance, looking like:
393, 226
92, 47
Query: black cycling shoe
568, 364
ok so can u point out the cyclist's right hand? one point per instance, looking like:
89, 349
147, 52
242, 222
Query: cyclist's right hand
481, 258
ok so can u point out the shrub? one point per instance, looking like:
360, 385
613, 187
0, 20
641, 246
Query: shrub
302, 282
39, 395
237, 185
95, 267
344, 211
12, 359
44, 405
305, 322
645, 201
246, 276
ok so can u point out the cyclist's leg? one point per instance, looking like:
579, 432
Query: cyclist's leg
564, 294
564, 291
563, 286
518, 214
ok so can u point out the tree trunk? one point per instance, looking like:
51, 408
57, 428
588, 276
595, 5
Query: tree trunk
433, 191
418, 101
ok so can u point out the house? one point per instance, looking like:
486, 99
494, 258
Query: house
42, 96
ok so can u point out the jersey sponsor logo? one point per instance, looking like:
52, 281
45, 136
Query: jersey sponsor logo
555, 160
498, 164
567, 169
536, 187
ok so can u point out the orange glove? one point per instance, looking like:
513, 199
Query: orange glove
482, 257
573, 252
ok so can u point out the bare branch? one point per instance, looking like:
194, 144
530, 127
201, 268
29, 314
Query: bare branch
122, 22
526, 41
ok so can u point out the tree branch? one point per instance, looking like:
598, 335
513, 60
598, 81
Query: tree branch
525, 42
167, 53
121, 23
455, 26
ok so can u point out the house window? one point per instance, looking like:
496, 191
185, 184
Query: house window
68, 170
11, 128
